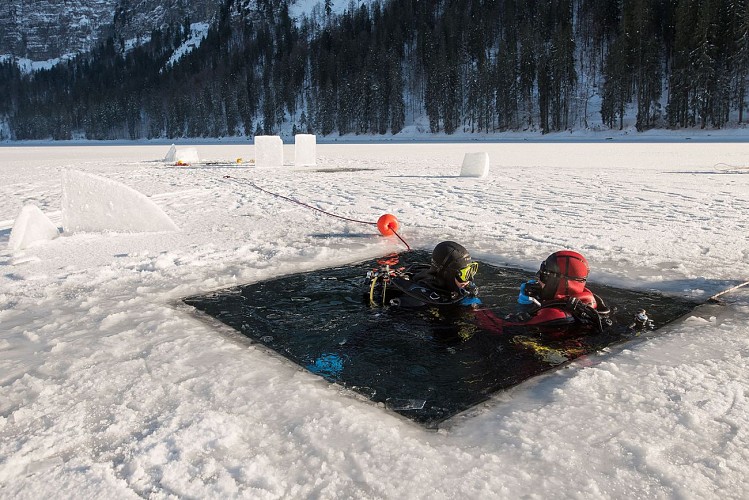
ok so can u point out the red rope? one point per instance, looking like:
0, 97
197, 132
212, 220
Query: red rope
249, 183
399, 237
292, 200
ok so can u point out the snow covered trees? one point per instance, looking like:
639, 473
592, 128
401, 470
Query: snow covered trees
454, 66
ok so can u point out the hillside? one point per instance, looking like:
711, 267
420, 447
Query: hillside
379, 68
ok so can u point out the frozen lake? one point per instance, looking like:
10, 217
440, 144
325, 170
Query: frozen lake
108, 388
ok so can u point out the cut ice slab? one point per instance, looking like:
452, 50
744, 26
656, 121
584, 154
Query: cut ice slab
31, 227
305, 150
91, 203
268, 151
475, 165
426, 365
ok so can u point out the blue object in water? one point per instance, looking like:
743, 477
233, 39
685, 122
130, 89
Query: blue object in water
523, 297
468, 301
327, 365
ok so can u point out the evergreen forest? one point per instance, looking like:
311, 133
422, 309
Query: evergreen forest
476, 66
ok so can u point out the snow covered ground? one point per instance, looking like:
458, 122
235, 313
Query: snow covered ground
109, 389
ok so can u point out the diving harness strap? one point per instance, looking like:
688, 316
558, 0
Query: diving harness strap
382, 275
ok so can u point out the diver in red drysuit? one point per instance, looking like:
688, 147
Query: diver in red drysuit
557, 304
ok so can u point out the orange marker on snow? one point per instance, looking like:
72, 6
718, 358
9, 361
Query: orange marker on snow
387, 224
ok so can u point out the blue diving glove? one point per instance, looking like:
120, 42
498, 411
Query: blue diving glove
527, 290
470, 301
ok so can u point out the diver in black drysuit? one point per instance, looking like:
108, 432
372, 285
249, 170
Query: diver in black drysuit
446, 281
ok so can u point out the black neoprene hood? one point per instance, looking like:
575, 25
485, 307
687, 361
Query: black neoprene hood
449, 257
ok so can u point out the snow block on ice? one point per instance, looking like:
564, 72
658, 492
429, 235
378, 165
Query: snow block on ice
30, 227
424, 366
91, 203
475, 165
186, 156
183, 156
305, 150
268, 151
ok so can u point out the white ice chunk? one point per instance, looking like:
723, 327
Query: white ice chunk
305, 150
187, 156
184, 156
406, 404
268, 151
91, 203
475, 165
31, 226
171, 154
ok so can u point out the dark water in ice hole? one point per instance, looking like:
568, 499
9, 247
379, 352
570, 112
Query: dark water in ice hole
426, 364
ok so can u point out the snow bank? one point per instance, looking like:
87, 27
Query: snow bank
91, 203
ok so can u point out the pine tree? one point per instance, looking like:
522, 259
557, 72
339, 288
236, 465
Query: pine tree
703, 63
680, 78
617, 85
740, 58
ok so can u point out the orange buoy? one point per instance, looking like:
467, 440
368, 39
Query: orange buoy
387, 224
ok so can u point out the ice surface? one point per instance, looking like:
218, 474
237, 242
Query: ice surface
30, 227
109, 391
475, 165
91, 203
305, 150
268, 151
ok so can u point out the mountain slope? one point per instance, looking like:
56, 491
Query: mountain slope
44, 30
